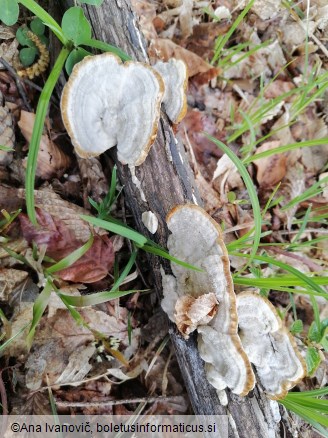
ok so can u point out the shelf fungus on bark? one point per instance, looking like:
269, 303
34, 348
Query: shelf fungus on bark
197, 239
175, 76
269, 345
107, 103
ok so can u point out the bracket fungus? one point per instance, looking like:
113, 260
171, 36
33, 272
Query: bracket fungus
197, 239
269, 345
175, 76
107, 103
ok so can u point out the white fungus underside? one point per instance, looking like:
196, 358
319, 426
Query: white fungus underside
109, 105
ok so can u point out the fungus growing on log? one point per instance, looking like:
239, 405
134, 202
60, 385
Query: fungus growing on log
107, 103
269, 345
174, 74
197, 239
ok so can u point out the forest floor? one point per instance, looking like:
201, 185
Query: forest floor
258, 82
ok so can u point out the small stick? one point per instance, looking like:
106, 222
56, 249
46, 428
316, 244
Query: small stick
177, 399
18, 83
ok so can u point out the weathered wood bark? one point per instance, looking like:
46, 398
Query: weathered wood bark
166, 180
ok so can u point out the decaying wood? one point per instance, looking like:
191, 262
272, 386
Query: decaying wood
166, 180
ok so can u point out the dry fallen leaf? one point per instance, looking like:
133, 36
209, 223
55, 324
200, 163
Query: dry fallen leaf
10, 281
270, 170
52, 161
62, 349
166, 49
191, 312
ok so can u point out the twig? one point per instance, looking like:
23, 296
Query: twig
18, 83
176, 399
312, 265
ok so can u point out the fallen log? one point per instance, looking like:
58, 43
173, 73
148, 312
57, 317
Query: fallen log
166, 180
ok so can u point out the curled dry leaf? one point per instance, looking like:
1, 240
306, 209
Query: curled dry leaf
166, 49
270, 170
191, 312
52, 161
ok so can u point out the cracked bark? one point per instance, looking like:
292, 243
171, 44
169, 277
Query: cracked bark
167, 180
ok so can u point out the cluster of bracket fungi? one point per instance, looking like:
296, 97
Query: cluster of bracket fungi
107, 103
233, 331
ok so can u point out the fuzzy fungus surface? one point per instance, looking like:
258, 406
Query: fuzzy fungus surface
107, 103
269, 345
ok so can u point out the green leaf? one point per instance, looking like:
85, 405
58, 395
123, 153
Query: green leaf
92, 2
324, 339
296, 327
22, 38
9, 11
27, 55
74, 57
75, 26
314, 334
312, 359
37, 26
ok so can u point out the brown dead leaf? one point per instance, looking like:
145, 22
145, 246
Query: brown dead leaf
166, 49
270, 170
62, 349
190, 312
194, 124
46, 200
52, 161
10, 281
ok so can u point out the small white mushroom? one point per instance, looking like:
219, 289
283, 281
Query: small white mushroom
175, 76
269, 345
150, 221
107, 103
197, 239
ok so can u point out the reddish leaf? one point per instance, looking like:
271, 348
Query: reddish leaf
94, 265
51, 232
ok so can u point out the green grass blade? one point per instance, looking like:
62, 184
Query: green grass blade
312, 393
312, 191
105, 47
286, 148
71, 258
101, 297
251, 192
46, 18
9, 341
288, 268
93, 299
40, 117
39, 307
115, 228
225, 38
166, 255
